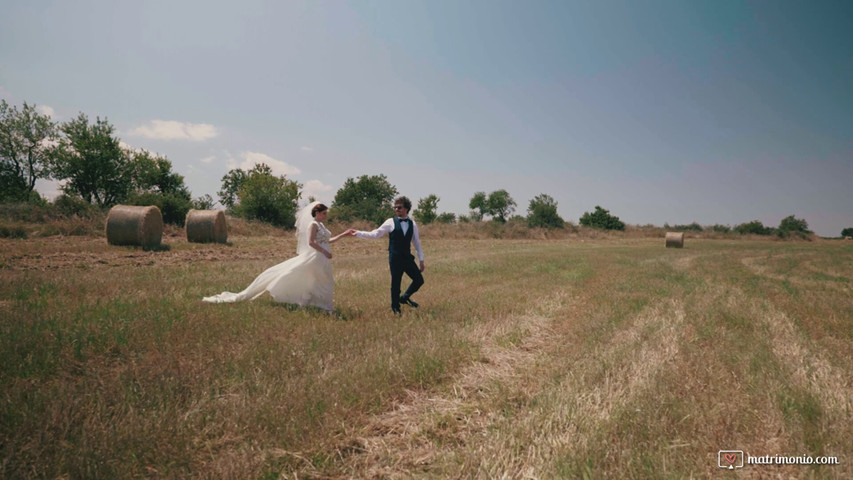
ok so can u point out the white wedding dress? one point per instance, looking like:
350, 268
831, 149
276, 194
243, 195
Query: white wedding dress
304, 280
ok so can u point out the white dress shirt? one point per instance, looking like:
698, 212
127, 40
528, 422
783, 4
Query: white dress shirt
388, 227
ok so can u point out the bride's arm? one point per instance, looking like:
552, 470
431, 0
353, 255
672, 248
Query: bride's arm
338, 237
312, 241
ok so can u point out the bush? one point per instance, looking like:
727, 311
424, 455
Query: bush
204, 202
426, 213
269, 198
754, 227
542, 212
446, 217
74, 206
367, 198
847, 232
793, 226
173, 207
601, 219
12, 231
693, 227
25, 212
28, 220
12, 188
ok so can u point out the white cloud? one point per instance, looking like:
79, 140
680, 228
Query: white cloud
45, 110
171, 130
316, 189
250, 159
207, 159
306, 149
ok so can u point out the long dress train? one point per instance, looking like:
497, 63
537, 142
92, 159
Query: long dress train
304, 280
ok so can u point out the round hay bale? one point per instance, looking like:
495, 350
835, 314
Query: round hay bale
130, 225
674, 239
206, 226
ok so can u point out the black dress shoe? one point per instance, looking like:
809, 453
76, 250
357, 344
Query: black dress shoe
396, 311
409, 302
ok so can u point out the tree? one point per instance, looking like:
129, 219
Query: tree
154, 183
542, 212
501, 205
847, 232
204, 202
792, 225
173, 206
479, 206
754, 227
153, 173
25, 138
263, 196
498, 205
601, 218
369, 198
92, 162
693, 227
426, 210
446, 217
231, 183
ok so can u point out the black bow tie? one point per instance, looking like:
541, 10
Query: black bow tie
404, 220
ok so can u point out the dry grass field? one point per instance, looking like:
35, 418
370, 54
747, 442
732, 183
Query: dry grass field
571, 357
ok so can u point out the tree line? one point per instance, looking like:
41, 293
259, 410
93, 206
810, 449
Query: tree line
89, 161
95, 169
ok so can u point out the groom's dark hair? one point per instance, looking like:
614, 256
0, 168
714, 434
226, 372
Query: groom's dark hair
405, 201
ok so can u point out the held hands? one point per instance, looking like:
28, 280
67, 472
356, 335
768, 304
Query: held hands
350, 232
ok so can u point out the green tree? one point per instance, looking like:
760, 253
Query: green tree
792, 225
204, 202
91, 161
25, 138
231, 183
368, 198
173, 206
154, 183
479, 206
446, 217
501, 205
754, 227
263, 196
426, 213
693, 227
601, 218
153, 173
847, 232
542, 212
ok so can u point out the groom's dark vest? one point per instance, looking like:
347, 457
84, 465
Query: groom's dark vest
398, 243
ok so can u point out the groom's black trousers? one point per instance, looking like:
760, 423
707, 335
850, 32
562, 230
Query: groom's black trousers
401, 264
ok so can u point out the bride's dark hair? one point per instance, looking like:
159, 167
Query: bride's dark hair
318, 208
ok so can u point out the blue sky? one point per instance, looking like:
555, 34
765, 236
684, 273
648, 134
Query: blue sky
660, 111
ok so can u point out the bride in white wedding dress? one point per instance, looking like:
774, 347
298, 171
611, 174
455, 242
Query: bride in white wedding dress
304, 280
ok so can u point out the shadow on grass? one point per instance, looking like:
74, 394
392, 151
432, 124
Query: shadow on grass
157, 248
337, 314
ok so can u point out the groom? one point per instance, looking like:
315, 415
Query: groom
402, 232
